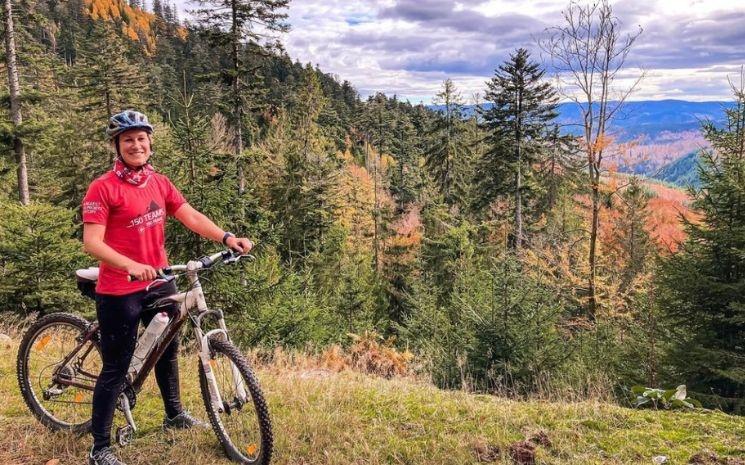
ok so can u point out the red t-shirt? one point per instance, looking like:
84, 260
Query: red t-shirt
135, 218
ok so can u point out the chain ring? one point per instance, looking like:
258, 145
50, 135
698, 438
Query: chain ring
131, 397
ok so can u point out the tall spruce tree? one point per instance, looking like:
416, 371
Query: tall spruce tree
522, 108
158, 8
109, 72
630, 229
449, 153
304, 193
560, 169
377, 124
242, 26
702, 288
406, 178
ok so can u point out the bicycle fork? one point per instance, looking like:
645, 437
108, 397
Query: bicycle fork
206, 358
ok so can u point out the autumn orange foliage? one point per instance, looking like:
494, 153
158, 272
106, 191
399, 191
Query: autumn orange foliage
666, 210
135, 23
356, 189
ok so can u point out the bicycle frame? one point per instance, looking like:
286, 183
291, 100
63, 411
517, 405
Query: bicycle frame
191, 305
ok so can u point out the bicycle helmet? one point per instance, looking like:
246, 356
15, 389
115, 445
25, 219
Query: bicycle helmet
126, 120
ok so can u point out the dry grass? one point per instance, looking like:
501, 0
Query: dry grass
332, 415
369, 353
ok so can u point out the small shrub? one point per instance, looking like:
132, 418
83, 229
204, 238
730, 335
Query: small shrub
663, 398
372, 354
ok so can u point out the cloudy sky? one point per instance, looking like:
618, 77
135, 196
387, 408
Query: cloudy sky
408, 47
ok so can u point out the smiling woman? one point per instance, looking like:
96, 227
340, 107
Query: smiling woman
134, 147
124, 215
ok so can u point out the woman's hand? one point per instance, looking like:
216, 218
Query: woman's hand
142, 272
239, 244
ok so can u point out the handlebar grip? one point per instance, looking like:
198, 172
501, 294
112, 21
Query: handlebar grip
162, 273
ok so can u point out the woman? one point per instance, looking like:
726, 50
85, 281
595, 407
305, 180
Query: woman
124, 213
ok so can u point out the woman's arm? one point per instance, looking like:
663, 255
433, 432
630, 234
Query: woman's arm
200, 224
94, 245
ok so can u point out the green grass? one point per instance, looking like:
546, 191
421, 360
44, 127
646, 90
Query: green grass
349, 418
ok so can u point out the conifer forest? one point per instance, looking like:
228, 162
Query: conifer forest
504, 252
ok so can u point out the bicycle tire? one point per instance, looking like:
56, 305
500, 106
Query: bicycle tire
26, 384
232, 450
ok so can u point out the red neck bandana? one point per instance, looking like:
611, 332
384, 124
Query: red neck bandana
137, 176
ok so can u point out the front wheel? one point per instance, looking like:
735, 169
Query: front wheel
241, 422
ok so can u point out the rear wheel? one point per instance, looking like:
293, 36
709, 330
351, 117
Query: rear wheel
41, 366
241, 424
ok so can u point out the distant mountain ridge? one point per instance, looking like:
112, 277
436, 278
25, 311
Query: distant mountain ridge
652, 118
665, 133
647, 118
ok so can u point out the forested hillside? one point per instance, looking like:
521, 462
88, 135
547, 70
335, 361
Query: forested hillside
683, 171
505, 254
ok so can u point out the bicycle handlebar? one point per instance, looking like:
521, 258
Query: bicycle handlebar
225, 256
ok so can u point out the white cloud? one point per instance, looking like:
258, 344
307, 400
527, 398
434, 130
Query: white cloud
408, 47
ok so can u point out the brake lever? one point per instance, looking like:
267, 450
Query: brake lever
162, 279
235, 258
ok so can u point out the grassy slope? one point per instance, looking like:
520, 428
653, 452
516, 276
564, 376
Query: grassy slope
349, 418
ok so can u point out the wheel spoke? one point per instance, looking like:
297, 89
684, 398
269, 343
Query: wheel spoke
242, 426
58, 404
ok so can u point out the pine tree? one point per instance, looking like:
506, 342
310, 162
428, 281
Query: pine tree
449, 153
560, 169
108, 71
702, 288
71, 30
406, 178
304, 190
40, 94
39, 280
240, 25
634, 243
377, 124
522, 107
168, 14
194, 164
174, 12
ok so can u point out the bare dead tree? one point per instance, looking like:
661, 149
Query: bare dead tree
588, 52
15, 103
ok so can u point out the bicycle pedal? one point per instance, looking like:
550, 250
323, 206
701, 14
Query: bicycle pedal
124, 435
52, 392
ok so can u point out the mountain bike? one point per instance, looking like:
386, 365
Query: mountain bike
59, 360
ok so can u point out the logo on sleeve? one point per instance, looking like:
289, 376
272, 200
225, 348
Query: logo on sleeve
92, 207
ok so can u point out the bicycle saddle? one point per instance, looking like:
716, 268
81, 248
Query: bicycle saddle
87, 278
87, 274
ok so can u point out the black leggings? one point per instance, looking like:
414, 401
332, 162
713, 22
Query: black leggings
119, 317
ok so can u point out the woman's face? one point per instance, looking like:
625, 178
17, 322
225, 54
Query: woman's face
134, 147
